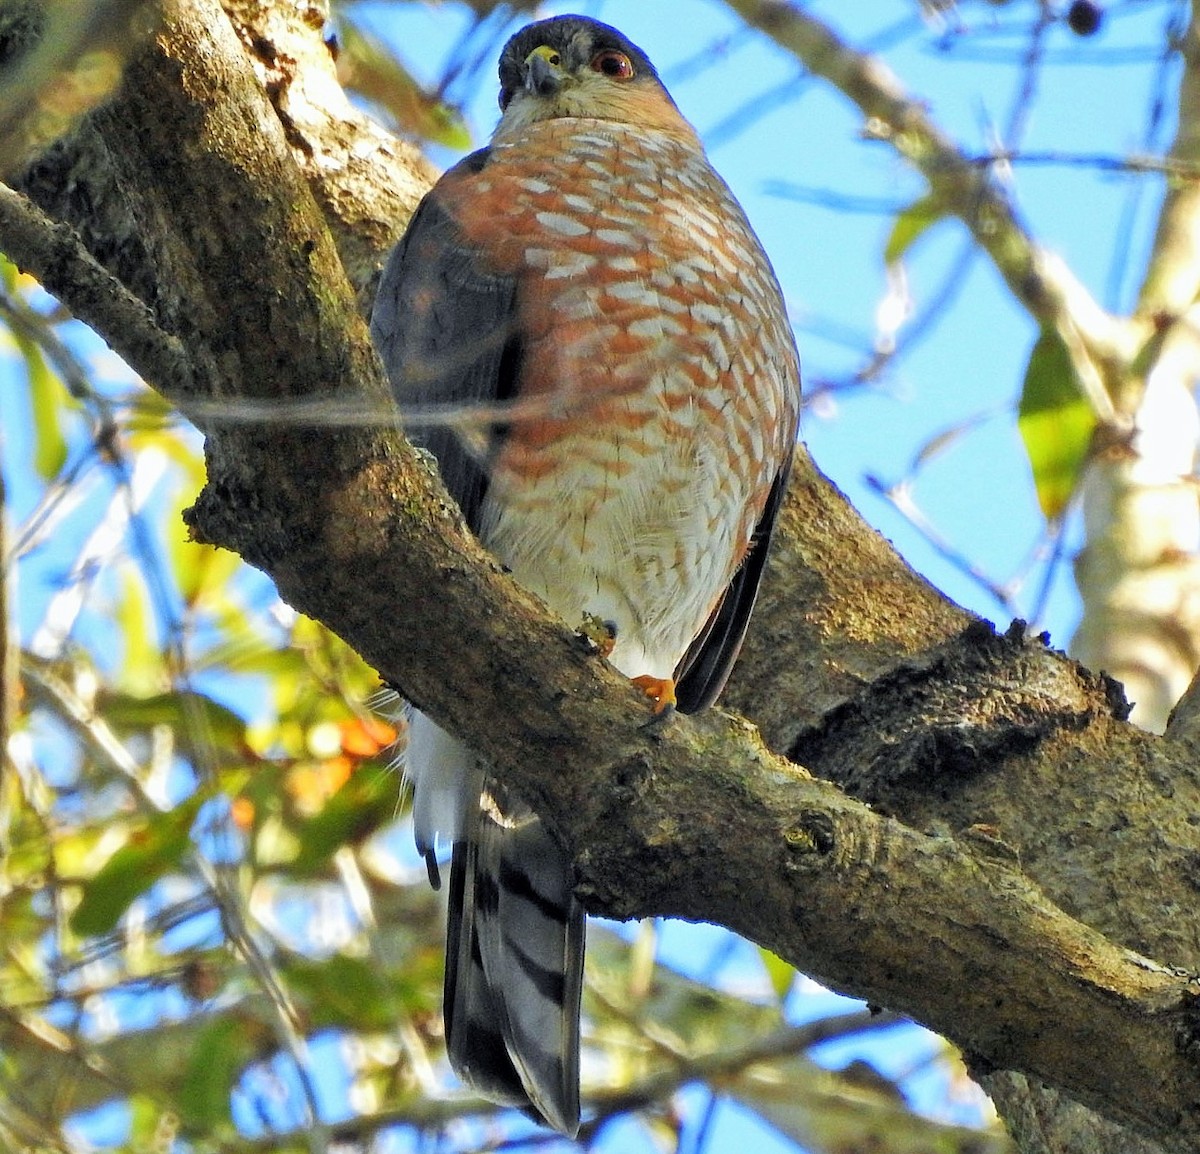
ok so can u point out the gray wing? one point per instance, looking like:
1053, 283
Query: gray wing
446, 329
705, 667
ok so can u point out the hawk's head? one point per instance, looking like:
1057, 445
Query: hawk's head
574, 66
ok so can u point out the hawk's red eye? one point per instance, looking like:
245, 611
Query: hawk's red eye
613, 63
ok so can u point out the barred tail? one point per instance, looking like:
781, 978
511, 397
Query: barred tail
514, 962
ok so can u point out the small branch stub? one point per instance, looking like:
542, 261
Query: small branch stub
811, 833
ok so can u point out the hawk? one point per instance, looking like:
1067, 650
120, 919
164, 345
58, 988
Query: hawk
589, 273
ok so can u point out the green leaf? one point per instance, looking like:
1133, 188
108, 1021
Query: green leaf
352, 992
203, 573
141, 668
145, 1120
910, 225
188, 714
1055, 421
782, 974
150, 852
48, 397
221, 1051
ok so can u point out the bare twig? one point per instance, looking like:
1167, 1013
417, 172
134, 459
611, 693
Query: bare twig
1041, 282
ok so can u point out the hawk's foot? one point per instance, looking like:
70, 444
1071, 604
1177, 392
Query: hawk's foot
660, 690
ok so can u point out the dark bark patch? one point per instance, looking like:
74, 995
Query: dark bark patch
965, 709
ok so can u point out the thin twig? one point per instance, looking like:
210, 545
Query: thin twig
1045, 286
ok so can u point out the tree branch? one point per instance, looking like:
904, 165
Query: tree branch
74, 275
1067, 838
1172, 279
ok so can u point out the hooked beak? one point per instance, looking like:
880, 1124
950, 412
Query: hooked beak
541, 77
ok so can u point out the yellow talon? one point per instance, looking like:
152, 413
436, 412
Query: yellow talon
660, 690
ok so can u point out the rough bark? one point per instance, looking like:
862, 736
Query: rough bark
1001, 777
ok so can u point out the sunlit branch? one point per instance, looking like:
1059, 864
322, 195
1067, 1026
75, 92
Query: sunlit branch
74, 60
1122, 240
1173, 273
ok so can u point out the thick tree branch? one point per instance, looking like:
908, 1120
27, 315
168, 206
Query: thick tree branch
697, 818
365, 180
1135, 575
